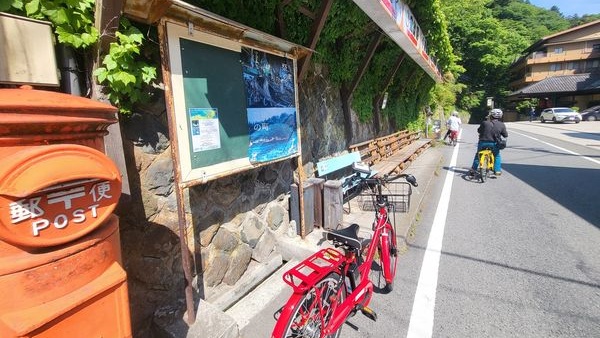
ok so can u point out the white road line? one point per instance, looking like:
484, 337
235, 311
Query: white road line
421, 318
559, 148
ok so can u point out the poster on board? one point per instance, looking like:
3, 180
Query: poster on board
270, 95
204, 129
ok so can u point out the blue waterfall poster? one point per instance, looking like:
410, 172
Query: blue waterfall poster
271, 105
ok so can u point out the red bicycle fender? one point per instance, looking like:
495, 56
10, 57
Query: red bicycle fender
286, 311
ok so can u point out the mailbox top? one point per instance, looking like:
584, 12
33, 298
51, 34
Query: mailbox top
28, 100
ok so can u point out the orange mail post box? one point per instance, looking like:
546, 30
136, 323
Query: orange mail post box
60, 255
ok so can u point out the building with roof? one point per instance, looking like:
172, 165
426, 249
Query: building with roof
562, 69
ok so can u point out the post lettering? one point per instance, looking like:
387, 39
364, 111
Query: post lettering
79, 216
94, 210
39, 225
61, 221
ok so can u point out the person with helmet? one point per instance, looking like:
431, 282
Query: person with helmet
453, 124
490, 131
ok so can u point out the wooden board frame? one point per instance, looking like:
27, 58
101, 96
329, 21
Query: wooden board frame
172, 68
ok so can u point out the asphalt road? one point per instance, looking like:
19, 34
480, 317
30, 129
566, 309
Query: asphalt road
516, 256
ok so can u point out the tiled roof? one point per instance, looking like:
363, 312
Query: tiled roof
545, 39
589, 82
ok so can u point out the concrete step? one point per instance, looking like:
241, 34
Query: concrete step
262, 303
224, 296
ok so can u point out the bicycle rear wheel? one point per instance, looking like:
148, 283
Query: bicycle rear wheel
312, 312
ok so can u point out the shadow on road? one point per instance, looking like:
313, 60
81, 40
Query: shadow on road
554, 152
574, 188
582, 135
515, 268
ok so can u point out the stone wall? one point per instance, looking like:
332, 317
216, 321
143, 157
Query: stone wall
232, 221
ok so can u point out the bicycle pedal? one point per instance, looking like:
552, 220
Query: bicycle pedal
369, 313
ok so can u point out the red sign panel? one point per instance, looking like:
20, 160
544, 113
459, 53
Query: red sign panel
61, 212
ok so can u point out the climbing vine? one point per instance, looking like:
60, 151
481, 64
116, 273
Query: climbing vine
124, 73
341, 47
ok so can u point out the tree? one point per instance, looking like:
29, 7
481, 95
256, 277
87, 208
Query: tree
488, 36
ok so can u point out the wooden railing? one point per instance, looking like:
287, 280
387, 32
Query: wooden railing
391, 153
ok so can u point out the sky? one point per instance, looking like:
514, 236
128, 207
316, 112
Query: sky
570, 7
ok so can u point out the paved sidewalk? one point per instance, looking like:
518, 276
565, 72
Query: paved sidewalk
255, 314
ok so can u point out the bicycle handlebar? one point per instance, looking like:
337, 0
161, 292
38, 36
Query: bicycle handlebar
408, 177
364, 169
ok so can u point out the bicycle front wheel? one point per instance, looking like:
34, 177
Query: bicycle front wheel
313, 311
388, 257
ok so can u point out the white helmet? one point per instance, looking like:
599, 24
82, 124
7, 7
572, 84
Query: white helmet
496, 113
455, 113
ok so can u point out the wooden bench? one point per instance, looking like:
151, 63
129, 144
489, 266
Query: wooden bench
391, 153
340, 186
388, 154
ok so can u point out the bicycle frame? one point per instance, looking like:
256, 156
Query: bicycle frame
486, 152
454, 136
304, 276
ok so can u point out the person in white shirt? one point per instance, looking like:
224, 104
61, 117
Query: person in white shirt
453, 125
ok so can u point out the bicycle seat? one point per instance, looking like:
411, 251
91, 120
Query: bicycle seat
347, 236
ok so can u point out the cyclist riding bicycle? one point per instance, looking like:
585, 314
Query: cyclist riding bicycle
490, 131
453, 124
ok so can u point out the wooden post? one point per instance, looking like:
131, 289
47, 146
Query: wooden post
347, 91
303, 213
318, 200
314, 35
181, 219
333, 203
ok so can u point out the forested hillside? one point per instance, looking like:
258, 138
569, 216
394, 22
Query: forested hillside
487, 36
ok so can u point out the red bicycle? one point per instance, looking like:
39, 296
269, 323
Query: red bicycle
453, 137
333, 284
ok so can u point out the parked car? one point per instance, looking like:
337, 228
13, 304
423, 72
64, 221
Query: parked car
560, 114
591, 114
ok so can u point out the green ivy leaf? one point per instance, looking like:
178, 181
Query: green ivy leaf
101, 73
32, 7
148, 74
125, 78
109, 63
58, 16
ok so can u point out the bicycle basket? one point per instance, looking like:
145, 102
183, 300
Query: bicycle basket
396, 193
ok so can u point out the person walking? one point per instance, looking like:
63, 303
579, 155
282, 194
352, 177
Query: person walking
490, 131
531, 114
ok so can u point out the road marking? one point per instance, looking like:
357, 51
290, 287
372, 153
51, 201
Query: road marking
421, 318
559, 148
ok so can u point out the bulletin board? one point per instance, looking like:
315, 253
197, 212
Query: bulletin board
235, 106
